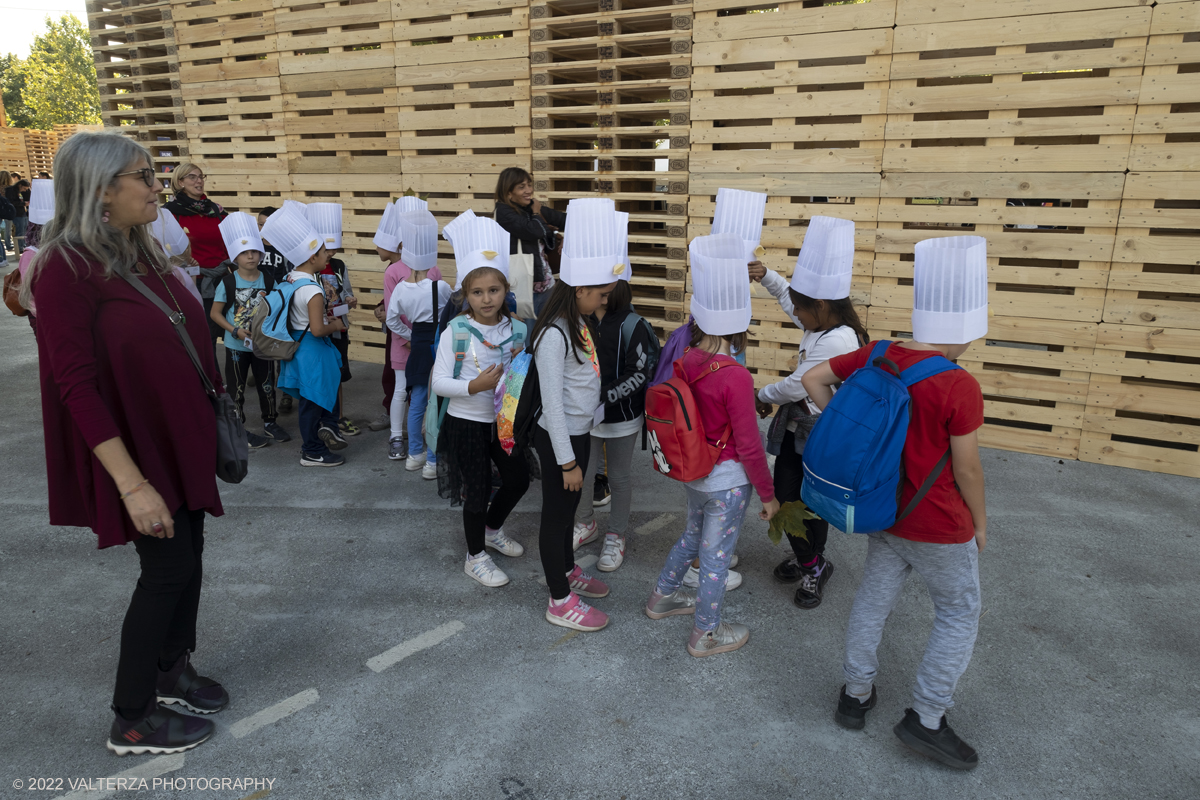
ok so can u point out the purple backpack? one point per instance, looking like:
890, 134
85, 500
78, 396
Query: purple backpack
672, 351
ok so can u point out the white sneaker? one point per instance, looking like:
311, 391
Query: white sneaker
484, 570
733, 560
613, 554
414, 463
429, 471
585, 534
499, 542
692, 579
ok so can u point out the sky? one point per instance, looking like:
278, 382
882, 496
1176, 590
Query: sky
24, 19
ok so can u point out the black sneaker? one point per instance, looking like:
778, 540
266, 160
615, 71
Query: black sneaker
808, 596
180, 684
941, 745
285, 403
789, 570
273, 431
160, 731
851, 712
332, 439
255, 441
327, 460
600, 494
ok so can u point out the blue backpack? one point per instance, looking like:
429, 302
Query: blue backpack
271, 335
853, 458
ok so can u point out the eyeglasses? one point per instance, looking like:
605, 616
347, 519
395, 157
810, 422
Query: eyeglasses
146, 173
196, 176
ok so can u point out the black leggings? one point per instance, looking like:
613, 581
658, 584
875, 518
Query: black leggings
161, 621
514, 477
789, 477
558, 511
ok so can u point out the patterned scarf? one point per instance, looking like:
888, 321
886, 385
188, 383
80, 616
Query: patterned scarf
201, 208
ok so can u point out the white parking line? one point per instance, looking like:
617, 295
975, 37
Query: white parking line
414, 645
661, 521
248, 725
144, 771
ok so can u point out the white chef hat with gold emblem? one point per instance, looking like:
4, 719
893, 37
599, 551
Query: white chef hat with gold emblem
292, 235
327, 219
297, 207
478, 242
170, 234
741, 213
720, 284
410, 202
826, 260
418, 237
591, 253
950, 290
623, 244
240, 233
387, 235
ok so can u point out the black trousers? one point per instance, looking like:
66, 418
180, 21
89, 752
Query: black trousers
161, 620
789, 477
514, 477
558, 511
239, 364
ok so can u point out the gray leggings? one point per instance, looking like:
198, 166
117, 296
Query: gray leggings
951, 573
618, 457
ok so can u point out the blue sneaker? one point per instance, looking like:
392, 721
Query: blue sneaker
327, 460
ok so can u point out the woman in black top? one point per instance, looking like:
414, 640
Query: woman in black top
527, 221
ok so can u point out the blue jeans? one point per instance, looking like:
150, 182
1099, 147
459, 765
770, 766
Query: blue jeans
416, 422
19, 224
713, 523
6, 228
312, 418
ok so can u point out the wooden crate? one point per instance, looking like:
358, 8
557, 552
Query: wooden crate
1167, 126
13, 156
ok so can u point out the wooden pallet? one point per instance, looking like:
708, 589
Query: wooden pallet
13, 156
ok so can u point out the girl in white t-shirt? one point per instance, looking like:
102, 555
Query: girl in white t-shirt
487, 338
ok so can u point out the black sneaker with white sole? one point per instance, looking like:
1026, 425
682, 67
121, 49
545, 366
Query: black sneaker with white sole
327, 460
162, 731
851, 712
255, 441
332, 438
812, 582
601, 496
182, 685
941, 745
274, 431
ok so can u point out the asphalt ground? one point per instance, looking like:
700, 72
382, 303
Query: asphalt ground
363, 663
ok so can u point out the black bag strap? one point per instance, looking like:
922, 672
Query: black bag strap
178, 320
926, 486
230, 284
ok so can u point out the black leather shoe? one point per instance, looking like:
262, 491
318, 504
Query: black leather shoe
788, 571
812, 583
941, 745
851, 713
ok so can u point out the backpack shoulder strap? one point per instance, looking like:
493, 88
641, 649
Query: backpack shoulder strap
519, 331
462, 338
927, 368
230, 284
268, 281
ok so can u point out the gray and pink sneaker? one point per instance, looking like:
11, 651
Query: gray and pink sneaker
585, 585
576, 614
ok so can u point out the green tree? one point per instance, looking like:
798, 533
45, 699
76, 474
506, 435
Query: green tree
60, 77
12, 86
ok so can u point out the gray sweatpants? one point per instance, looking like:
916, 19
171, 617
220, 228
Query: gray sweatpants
618, 458
951, 573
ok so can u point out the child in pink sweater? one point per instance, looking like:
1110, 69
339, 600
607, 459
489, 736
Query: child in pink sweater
717, 503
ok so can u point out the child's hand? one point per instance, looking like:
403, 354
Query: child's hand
352, 302
487, 380
769, 510
764, 409
573, 480
981, 538
757, 271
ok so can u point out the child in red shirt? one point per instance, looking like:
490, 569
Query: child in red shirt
943, 535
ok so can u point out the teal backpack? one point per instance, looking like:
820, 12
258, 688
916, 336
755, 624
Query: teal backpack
462, 330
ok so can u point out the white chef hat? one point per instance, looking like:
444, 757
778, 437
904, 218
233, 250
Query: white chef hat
950, 290
240, 233
170, 233
623, 244
387, 235
458, 223
418, 235
591, 255
41, 201
410, 202
292, 235
327, 219
297, 207
478, 242
741, 212
720, 284
826, 259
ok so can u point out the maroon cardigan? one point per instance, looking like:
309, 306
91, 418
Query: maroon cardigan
112, 365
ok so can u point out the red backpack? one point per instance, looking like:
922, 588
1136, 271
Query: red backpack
677, 439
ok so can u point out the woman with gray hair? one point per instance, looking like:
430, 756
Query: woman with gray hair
200, 218
130, 434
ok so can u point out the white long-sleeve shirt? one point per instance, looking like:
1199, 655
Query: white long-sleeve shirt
816, 347
414, 301
570, 390
478, 407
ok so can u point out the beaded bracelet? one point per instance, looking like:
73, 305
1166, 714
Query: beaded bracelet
126, 495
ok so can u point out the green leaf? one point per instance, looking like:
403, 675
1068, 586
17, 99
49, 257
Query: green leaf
57, 83
790, 518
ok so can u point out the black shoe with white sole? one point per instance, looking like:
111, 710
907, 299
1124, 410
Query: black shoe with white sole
941, 745
255, 441
327, 460
273, 431
332, 438
161, 731
851, 712
812, 582
183, 686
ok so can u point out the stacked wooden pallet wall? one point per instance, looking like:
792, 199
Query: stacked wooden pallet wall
1066, 132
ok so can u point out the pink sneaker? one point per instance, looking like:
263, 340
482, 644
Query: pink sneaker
576, 614
585, 585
